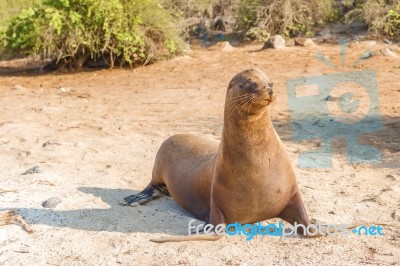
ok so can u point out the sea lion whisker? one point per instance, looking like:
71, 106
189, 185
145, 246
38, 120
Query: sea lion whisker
239, 99
240, 96
241, 106
237, 106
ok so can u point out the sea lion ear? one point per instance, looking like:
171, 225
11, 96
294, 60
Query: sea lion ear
271, 84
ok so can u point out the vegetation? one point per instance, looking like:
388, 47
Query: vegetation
10, 8
129, 32
123, 31
284, 17
382, 16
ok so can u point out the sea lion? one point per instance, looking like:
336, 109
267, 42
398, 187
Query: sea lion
246, 178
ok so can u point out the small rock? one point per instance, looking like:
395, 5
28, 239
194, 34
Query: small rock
276, 42
306, 42
325, 37
388, 52
51, 203
18, 88
221, 46
330, 98
366, 55
63, 90
34, 170
387, 41
227, 47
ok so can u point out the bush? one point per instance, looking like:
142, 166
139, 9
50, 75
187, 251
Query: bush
10, 8
201, 15
285, 17
381, 16
258, 19
72, 31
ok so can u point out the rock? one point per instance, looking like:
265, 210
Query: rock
19, 88
388, 52
387, 41
62, 90
227, 47
51, 203
385, 52
325, 36
34, 170
302, 41
276, 42
366, 55
222, 46
331, 98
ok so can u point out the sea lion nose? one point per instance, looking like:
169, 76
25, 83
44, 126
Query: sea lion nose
270, 91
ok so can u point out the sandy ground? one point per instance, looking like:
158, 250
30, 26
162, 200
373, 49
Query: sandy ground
95, 134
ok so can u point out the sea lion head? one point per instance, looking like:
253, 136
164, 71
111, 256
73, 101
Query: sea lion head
249, 91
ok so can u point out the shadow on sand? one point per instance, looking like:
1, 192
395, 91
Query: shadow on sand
152, 217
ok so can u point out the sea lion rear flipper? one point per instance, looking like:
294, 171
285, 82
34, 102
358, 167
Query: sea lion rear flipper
144, 196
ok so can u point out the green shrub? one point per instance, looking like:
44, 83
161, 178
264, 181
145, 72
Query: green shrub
392, 25
285, 17
11, 8
123, 31
381, 16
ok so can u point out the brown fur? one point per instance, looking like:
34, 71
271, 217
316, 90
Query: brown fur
247, 178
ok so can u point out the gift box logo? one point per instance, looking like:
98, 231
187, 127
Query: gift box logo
342, 104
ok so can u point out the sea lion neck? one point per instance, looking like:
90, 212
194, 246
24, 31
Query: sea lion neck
251, 128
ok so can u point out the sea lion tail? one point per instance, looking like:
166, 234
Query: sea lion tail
202, 237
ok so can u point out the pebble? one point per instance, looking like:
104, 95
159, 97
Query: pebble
51, 203
34, 170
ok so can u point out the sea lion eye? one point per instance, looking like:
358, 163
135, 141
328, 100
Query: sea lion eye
248, 85
271, 84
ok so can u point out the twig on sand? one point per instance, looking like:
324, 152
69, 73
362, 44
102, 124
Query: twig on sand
10, 217
7, 190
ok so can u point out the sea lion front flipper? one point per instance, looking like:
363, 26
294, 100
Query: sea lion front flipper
295, 212
144, 196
